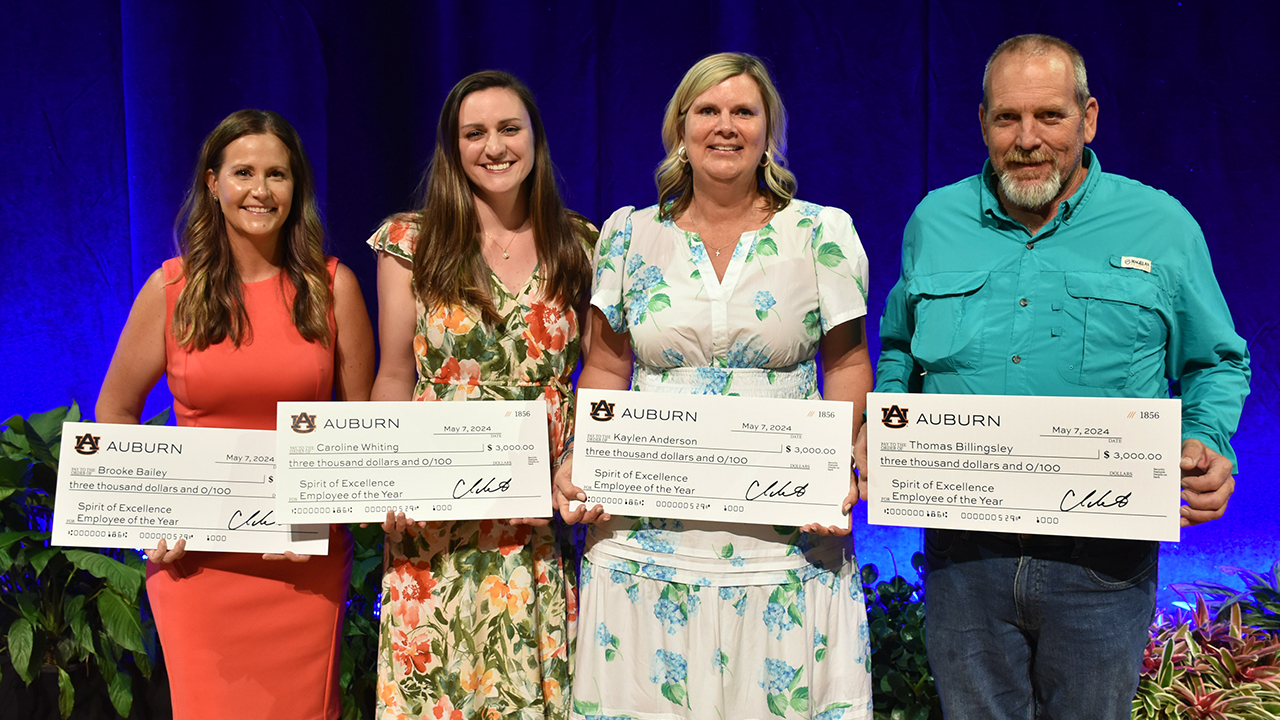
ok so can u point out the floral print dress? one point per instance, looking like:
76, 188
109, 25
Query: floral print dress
712, 621
478, 617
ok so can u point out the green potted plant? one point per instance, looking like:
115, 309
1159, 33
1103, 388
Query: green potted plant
67, 611
901, 682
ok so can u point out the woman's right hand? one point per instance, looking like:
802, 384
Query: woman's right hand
397, 525
164, 554
563, 491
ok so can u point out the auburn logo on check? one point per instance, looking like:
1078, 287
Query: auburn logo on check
894, 417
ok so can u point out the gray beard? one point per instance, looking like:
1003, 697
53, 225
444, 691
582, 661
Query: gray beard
1031, 196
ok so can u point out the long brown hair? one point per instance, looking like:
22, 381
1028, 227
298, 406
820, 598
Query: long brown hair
448, 269
210, 307
674, 177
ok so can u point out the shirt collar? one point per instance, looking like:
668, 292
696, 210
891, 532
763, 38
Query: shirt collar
989, 202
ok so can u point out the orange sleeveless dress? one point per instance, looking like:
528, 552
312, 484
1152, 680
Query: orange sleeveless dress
244, 637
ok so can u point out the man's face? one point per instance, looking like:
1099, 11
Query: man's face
1034, 130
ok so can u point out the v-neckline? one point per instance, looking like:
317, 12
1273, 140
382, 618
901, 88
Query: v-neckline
721, 288
523, 289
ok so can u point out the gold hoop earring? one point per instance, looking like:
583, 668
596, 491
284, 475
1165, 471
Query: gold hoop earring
682, 155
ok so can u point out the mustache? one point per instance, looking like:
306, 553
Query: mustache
1028, 157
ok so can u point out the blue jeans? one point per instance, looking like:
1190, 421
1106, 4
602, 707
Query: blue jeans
1026, 627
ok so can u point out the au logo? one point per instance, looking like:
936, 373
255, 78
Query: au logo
893, 417
87, 444
602, 410
303, 423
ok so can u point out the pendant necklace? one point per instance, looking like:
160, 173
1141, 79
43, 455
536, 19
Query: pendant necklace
733, 241
510, 240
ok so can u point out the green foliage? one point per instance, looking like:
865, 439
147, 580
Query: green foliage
901, 682
1210, 668
1259, 601
62, 608
358, 670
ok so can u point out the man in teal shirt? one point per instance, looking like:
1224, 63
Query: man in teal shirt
1045, 276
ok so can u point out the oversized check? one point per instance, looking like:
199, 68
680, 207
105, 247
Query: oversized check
699, 457
352, 462
1088, 467
128, 486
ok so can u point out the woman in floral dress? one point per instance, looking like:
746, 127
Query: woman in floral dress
478, 294
728, 286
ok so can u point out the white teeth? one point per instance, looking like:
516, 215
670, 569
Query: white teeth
259, 210
724, 148
499, 166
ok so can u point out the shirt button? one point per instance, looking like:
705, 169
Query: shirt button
1031, 246
1023, 302
1017, 358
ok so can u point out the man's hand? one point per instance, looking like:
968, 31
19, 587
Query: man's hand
1207, 483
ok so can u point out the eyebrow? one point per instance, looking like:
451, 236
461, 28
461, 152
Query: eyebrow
506, 121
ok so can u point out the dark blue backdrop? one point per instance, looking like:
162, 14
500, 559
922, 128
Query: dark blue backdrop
105, 105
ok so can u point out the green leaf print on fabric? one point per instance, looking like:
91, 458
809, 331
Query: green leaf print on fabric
805, 222
813, 322
726, 552
830, 254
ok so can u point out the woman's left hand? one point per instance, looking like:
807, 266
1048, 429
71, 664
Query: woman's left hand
857, 491
289, 555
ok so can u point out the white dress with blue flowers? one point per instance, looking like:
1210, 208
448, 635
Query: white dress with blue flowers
683, 619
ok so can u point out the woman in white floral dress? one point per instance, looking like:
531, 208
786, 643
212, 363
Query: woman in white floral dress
728, 286
477, 300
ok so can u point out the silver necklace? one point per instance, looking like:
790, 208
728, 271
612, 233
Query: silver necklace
736, 239
510, 240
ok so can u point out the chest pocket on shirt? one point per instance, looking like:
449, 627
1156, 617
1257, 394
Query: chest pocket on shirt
1105, 318
948, 314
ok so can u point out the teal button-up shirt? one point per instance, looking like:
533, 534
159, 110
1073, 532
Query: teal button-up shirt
1115, 297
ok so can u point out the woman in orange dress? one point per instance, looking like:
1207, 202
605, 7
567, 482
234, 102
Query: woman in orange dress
252, 313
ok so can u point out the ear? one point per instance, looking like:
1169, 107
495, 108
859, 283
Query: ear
982, 122
1090, 119
211, 181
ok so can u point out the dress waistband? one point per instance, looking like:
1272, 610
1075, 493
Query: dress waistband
796, 381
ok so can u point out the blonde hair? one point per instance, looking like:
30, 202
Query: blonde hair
675, 178
210, 308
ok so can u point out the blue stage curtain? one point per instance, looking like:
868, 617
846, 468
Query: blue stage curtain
105, 105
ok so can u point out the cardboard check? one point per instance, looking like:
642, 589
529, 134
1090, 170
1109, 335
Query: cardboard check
352, 462
128, 486
727, 459
1087, 467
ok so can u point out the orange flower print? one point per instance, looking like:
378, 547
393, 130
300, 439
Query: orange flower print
428, 392
542, 559
476, 679
412, 654
419, 345
513, 595
571, 603
401, 231
504, 537
448, 320
409, 591
444, 710
551, 691
548, 327
549, 646
459, 372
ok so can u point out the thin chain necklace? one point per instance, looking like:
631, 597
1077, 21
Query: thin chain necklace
734, 241
510, 240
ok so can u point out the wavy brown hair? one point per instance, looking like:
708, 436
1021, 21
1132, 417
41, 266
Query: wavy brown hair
674, 176
448, 269
210, 307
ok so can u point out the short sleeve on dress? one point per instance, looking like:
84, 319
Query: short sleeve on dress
611, 249
841, 267
397, 236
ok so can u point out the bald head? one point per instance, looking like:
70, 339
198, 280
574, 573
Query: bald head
1040, 45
